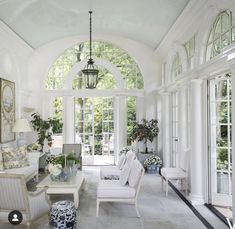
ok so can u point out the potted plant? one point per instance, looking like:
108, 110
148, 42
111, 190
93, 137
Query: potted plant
153, 164
145, 131
45, 128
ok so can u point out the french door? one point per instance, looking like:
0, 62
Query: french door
220, 142
174, 133
94, 129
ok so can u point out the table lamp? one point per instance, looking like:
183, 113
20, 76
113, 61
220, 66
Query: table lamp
21, 126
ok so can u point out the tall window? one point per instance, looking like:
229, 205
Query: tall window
176, 68
58, 126
122, 60
221, 35
175, 126
131, 116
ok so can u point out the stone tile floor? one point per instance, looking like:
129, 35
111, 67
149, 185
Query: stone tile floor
157, 211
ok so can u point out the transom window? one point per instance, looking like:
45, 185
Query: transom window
176, 69
122, 60
190, 49
221, 35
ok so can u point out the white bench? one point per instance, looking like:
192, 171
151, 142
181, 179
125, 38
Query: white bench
174, 174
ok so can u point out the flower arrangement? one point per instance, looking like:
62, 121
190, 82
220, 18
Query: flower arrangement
153, 160
55, 170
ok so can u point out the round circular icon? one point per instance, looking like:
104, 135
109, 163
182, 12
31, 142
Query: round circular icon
15, 217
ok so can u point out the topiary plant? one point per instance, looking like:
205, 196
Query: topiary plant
145, 131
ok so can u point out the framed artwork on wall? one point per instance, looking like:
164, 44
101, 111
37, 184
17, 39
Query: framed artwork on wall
7, 110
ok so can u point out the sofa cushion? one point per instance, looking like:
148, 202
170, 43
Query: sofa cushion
14, 158
27, 171
107, 171
122, 161
113, 189
125, 172
135, 173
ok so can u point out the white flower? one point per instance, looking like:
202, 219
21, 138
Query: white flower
55, 169
153, 160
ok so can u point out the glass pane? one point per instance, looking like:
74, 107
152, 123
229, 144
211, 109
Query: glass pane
222, 159
211, 36
233, 34
222, 136
217, 30
231, 158
221, 90
222, 112
222, 183
80, 127
88, 127
230, 112
209, 52
217, 46
230, 133
225, 22
225, 39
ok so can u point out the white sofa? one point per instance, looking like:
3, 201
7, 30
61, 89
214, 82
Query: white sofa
28, 171
107, 171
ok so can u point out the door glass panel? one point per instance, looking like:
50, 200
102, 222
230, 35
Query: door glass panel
221, 141
94, 120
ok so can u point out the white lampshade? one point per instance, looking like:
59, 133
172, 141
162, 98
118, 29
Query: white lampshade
21, 125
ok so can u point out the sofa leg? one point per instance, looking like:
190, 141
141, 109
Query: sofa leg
137, 210
97, 207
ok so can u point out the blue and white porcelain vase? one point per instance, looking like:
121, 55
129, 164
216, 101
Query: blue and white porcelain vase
63, 215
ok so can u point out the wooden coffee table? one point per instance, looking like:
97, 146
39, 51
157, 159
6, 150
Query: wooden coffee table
72, 186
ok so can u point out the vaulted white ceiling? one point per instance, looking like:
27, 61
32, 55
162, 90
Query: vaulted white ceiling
41, 21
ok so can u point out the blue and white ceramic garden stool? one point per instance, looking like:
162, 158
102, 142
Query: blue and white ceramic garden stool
63, 215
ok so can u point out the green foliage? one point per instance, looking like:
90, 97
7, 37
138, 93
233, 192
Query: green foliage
118, 57
44, 128
60, 159
57, 116
145, 131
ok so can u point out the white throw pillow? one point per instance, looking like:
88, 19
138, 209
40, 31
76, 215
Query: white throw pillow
135, 173
125, 172
122, 161
130, 156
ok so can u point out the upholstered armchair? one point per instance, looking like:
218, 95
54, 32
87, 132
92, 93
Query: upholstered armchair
14, 196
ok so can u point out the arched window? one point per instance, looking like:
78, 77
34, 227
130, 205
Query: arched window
221, 35
118, 57
176, 68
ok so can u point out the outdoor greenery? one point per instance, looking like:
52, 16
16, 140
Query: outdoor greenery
45, 128
60, 159
145, 131
103, 118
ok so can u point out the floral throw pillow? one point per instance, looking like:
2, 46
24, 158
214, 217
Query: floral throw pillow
15, 158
